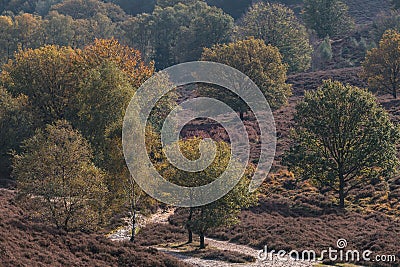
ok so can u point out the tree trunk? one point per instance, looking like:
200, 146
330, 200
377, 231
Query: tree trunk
190, 233
341, 191
202, 243
241, 115
133, 211
190, 236
133, 226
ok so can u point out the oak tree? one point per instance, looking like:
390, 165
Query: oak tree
46, 76
381, 67
327, 17
260, 62
277, 25
342, 139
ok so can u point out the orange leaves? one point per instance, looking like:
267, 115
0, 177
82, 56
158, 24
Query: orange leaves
51, 75
125, 58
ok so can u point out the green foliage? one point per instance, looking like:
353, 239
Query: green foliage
16, 124
323, 54
17, 6
86, 9
101, 100
22, 31
135, 7
278, 26
137, 33
91, 88
261, 62
224, 211
325, 49
56, 174
178, 33
43, 6
171, 3
235, 8
342, 139
31, 31
7, 44
59, 29
28, 30
381, 65
46, 76
327, 17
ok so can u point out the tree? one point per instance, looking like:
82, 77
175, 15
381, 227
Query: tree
170, 3
7, 45
323, 54
18, 6
87, 9
127, 59
91, 88
55, 171
137, 33
43, 6
138, 201
278, 26
111, 75
223, 212
235, 8
179, 32
59, 29
261, 62
16, 124
135, 7
46, 76
382, 64
28, 30
85, 32
342, 139
100, 103
327, 17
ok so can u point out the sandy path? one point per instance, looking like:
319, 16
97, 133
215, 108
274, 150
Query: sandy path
161, 216
223, 245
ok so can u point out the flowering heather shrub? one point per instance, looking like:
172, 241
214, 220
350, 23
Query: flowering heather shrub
24, 242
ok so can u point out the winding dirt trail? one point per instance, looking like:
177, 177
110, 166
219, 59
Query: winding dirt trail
161, 216
223, 245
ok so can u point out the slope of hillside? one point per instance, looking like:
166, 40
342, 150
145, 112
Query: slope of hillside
27, 243
364, 11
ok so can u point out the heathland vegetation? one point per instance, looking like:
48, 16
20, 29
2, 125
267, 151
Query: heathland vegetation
330, 71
